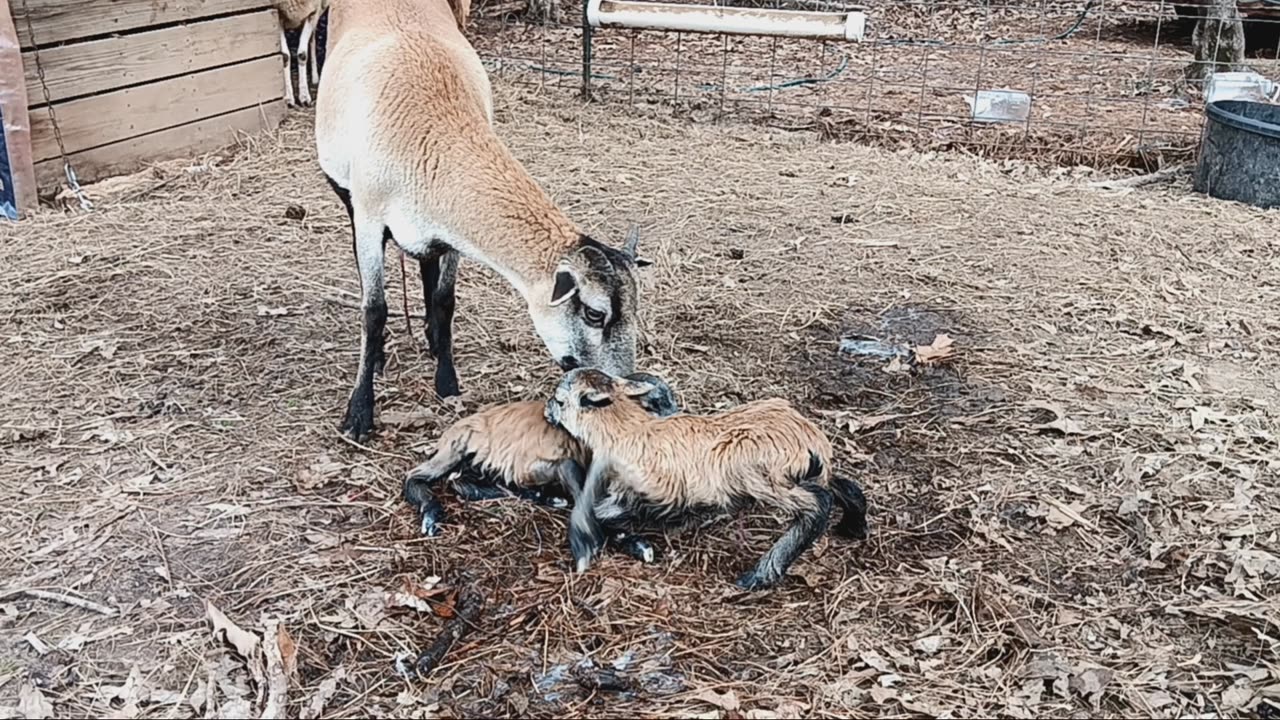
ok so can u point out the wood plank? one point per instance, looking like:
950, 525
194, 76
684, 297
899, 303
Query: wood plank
122, 114
134, 154
99, 65
57, 21
16, 126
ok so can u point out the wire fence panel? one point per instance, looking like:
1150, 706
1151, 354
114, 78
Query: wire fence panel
1093, 82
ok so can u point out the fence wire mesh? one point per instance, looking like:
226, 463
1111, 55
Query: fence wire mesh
1106, 80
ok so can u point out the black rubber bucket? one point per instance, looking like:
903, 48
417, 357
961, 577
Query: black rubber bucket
1240, 153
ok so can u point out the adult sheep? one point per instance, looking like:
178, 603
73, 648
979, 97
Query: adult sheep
404, 134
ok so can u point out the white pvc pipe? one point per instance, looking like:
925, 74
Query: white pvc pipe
731, 20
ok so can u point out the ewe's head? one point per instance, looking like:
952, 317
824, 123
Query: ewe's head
588, 318
586, 393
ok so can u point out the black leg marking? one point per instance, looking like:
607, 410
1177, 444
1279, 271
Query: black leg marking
429, 269
369, 243
807, 527
417, 491
440, 332
853, 506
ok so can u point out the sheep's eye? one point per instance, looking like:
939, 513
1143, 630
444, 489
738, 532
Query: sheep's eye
587, 402
594, 317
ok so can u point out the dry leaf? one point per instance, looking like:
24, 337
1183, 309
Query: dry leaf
132, 693
328, 688
882, 694
33, 704
728, 700
873, 659
929, 645
445, 609
1237, 696
245, 643
288, 651
1090, 683
940, 349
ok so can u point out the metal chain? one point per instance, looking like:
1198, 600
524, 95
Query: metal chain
72, 183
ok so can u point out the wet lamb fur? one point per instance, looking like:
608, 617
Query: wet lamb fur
651, 470
511, 450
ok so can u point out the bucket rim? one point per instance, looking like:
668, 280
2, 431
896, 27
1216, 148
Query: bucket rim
1218, 111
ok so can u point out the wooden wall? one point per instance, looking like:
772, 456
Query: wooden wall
133, 82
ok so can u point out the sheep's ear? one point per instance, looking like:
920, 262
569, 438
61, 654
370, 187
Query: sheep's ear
566, 286
632, 242
637, 389
595, 399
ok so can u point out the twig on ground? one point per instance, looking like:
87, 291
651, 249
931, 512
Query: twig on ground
470, 603
64, 599
1141, 180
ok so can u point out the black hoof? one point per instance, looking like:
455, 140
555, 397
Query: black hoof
432, 513
447, 384
357, 424
636, 547
584, 547
417, 492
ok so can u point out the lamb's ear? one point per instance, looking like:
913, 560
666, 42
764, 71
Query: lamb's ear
595, 399
566, 286
634, 388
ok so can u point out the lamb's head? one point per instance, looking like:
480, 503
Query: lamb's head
588, 317
586, 398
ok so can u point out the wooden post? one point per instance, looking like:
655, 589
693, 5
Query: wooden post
20, 180
1218, 40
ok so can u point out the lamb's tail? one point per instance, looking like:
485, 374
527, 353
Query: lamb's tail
853, 506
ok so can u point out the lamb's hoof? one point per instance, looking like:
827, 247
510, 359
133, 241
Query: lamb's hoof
637, 547
582, 565
753, 581
558, 502
430, 528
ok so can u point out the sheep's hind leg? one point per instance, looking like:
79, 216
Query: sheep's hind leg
439, 279
813, 505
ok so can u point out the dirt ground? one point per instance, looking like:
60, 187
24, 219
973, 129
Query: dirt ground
1074, 507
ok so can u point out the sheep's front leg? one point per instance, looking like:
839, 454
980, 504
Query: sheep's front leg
288, 68
812, 507
370, 246
304, 53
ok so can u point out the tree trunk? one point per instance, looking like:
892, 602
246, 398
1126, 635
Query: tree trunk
1218, 40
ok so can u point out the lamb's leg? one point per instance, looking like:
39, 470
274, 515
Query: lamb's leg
439, 278
370, 245
304, 53
586, 535
475, 484
813, 509
288, 68
418, 484
610, 517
